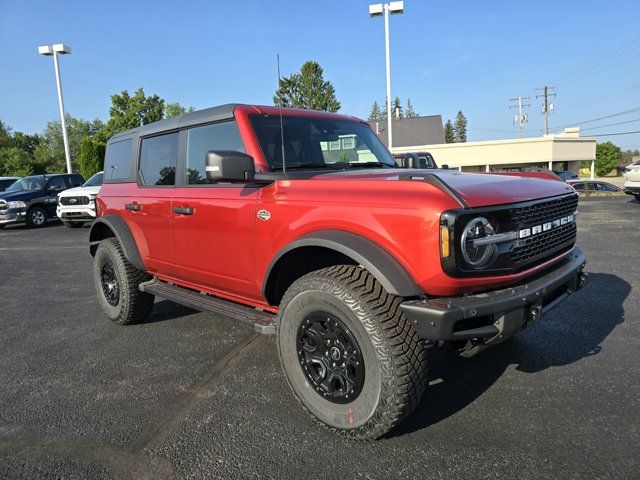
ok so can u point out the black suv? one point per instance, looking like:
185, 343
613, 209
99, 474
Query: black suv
33, 199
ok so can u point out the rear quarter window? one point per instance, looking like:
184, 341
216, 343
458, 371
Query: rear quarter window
117, 163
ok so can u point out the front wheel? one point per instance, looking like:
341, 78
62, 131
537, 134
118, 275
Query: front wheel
117, 282
349, 354
36, 217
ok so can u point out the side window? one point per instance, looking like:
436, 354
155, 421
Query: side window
117, 164
76, 180
158, 160
57, 183
578, 186
218, 136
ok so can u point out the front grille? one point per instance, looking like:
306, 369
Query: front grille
81, 200
545, 211
544, 244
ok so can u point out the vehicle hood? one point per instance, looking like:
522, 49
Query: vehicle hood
474, 189
78, 191
20, 196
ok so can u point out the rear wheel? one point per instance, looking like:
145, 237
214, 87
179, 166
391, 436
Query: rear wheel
36, 217
70, 224
350, 355
116, 282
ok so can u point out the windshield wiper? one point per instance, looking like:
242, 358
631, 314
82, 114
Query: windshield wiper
370, 165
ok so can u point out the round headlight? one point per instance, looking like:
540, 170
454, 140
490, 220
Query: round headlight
477, 256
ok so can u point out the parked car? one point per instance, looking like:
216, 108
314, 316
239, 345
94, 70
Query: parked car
593, 186
6, 182
566, 175
632, 180
77, 205
354, 264
415, 160
33, 199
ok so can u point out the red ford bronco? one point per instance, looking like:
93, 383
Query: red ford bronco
300, 223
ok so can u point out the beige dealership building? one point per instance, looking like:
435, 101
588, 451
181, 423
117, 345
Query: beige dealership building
563, 151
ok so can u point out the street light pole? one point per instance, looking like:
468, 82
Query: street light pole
387, 9
54, 51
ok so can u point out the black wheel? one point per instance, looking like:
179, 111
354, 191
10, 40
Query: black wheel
36, 217
70, 224
349, 354
116, 282
637, 195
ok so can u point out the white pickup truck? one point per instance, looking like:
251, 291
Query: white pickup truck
632, 180
78, 205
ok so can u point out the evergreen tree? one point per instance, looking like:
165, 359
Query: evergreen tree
410, 112
396, 108
376, 113
307, 89
460, 128
449, 132
91, 157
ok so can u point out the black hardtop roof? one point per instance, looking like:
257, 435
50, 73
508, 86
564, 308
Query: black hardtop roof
213, 114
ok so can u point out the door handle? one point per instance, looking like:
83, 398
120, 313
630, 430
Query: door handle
183, 210
133, 206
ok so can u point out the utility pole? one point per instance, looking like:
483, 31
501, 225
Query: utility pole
546, 106
521, 117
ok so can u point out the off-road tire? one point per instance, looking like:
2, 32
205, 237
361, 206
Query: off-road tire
133, 306
70, 224
395, 357
33, 211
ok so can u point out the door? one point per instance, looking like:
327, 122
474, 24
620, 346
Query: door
213, 224
54, 186
149, 211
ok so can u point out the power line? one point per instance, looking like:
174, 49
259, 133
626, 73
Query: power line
612, 124
573, 124
593, 62
602, 97
617, 133
607, 67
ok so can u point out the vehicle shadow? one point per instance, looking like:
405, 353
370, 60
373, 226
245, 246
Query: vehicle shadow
564, 336
164, 310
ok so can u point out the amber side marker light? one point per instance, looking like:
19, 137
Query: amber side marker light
444, 241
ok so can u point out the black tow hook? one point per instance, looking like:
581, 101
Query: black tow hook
583, 280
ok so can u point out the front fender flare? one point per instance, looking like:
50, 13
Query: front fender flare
116, 225
380, 263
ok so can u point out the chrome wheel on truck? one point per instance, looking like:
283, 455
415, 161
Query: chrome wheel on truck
349, 354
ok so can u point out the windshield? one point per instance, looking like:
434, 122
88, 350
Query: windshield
319, 143
94, 181
28, 184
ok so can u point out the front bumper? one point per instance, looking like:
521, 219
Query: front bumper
84, 213
13, 216
490, 318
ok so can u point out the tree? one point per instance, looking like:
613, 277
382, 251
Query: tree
396, 108
49, 153
174, 109
376, 113
460, 128
128, 112
15, 162
449, 132
607, 158
91, 157
307, 89
410, 112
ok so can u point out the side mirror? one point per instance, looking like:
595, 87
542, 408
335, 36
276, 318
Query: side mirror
445, 166
229, 166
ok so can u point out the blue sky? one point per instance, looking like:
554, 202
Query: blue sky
445, 56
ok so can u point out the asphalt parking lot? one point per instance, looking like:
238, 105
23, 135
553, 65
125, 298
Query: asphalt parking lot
188, 395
